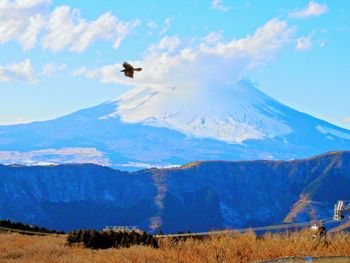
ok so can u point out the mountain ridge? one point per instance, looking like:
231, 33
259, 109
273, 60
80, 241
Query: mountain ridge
209, 195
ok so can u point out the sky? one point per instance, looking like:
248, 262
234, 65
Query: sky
60, 56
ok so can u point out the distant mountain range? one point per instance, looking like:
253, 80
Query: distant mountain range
161, 127
198, 196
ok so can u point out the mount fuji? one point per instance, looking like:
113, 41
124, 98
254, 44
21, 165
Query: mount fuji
165, 126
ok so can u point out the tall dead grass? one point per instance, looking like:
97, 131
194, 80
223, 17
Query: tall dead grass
237, 248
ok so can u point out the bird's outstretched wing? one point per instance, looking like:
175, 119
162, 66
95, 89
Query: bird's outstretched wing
127, 66
129, 73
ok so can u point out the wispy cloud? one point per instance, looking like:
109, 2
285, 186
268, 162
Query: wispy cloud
64, 155
304, 43
219, 5
166, 43
52, 69
151, 25
177, 62
83, 71
30, 23
347, 119
16, 120
312, 9
213, 37
166, 26
18, 72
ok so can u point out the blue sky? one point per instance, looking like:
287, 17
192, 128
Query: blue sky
55, 54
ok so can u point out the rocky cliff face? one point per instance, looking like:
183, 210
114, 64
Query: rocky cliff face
198, 196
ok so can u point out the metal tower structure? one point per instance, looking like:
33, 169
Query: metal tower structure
341, 208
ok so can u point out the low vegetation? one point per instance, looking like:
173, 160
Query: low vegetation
111, 239
26, 227
246, 247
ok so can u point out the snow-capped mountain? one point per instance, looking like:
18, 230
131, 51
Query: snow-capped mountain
157, 126
232, 113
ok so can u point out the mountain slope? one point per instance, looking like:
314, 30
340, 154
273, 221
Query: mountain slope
148, 127
233, 113
197, 197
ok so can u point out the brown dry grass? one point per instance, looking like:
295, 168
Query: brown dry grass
300, 205
238, 248
340, 227
190, 165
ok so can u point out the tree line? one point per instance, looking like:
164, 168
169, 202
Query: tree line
111, 239
21, 226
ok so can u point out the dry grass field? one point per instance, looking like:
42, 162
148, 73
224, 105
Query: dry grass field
238, 248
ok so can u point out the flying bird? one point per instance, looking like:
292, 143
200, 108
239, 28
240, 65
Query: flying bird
129, 70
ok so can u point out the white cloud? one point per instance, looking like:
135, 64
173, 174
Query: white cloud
166, 25
200, 63
21, 72
312, 9
79, 72
304, 43
52, 69
169, 44
22, 21
30, 22
347, 119
180, 88
151, 25
83, 71
16, 120
219, 5
55, 156
213, 37
67, 29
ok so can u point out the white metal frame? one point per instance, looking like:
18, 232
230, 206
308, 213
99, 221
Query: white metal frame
340, 208
120, 228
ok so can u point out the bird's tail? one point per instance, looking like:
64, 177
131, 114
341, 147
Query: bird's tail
137, 69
